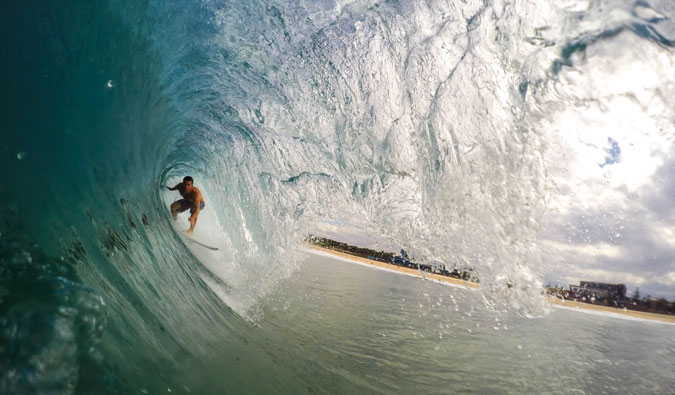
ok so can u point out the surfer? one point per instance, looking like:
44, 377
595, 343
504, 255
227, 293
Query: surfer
192, 199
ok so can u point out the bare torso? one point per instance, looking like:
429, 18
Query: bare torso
194, 195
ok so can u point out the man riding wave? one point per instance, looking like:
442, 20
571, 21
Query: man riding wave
192, 199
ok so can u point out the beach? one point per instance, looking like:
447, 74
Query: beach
557, 302
614, 311
399, 269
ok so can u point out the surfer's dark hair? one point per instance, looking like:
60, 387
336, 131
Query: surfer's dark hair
188, 178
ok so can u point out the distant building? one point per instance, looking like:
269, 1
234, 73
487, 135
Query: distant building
600, 291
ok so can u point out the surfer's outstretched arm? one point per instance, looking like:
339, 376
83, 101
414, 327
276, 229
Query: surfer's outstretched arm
174, 188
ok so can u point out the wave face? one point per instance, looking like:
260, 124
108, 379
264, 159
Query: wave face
424, 121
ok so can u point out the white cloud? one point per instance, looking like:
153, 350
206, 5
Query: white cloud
668, 279
607, 276
583, 251
664, 233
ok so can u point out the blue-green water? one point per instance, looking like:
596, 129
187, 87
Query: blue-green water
417, 119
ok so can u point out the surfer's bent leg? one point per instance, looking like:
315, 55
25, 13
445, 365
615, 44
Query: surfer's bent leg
201, 207
179, 206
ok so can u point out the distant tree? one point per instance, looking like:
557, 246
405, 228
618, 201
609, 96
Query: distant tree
662, 304
636, 295
648, 302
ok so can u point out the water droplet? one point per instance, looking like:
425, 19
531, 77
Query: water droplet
109, 84
21, 155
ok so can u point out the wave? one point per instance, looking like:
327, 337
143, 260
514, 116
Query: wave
423, 121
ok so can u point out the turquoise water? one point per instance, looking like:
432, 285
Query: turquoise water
417, 120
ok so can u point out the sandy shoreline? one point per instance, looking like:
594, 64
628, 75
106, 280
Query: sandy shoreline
567, 304
404, 270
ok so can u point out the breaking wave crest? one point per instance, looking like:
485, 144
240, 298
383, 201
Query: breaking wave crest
428, 126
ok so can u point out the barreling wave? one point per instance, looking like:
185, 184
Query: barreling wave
422, 120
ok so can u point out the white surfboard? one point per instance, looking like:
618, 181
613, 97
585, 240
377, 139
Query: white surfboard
189, 238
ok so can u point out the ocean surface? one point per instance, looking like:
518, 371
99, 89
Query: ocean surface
421, 123
363, 330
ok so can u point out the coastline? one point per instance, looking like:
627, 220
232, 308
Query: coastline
393, 268
613, 311
556, 302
